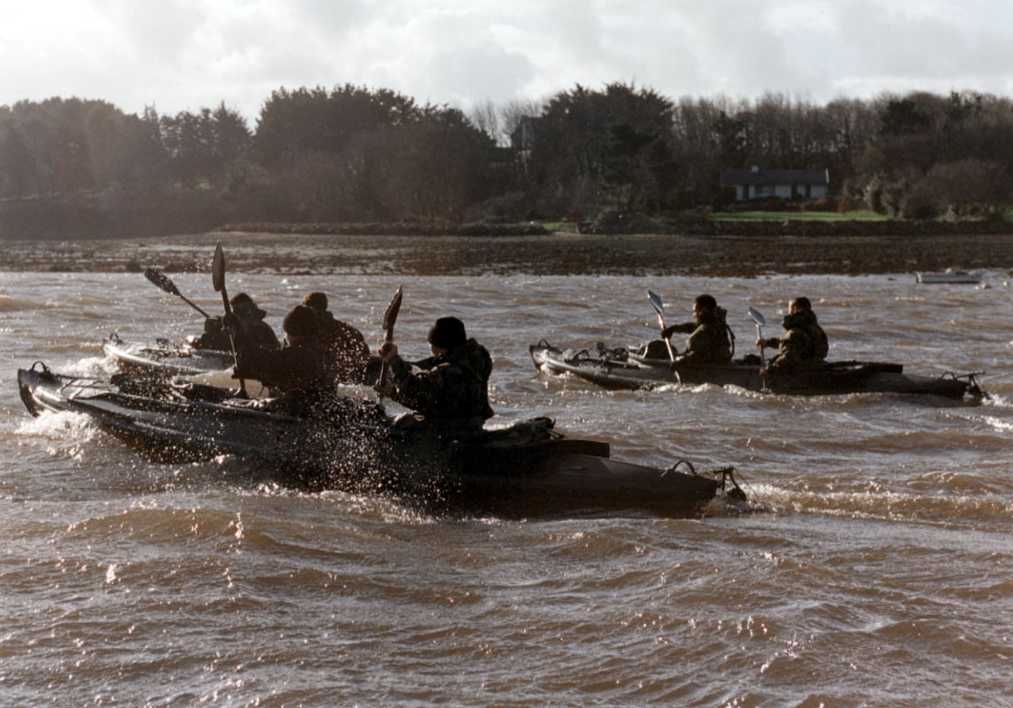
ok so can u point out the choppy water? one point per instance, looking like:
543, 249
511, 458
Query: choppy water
879, 572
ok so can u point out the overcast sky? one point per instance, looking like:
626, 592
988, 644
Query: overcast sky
186, 54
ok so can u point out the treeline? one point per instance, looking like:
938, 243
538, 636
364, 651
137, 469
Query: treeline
351, 154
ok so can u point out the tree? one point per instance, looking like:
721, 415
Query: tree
588, 144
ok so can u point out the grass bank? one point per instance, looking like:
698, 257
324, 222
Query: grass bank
856, 215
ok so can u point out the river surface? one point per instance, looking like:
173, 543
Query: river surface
875, 568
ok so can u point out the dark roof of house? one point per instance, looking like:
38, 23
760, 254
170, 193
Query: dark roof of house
773, 177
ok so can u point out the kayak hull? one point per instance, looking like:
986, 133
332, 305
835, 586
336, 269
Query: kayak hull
521, 471
631, 372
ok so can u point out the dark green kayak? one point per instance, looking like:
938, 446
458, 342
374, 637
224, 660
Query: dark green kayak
526, 469
624, 369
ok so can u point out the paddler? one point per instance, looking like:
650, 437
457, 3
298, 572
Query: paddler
804, 341
344, 349
295, 372
709, 337
451, 389
250, 319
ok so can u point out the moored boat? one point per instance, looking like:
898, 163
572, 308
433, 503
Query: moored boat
622, 369
525, 469
949, 277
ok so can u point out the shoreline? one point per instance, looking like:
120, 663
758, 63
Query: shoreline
556, 254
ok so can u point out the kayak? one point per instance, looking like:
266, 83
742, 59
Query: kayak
630, 370
526, 469
165, 359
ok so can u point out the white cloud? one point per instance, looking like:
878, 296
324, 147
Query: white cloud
185, 54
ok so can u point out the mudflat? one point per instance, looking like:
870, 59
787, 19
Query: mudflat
556, 254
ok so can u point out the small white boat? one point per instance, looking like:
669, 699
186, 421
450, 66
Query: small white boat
950, 276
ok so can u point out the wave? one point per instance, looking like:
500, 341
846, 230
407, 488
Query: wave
9, 303
59, 426
988, 510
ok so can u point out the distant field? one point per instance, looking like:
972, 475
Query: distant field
857, 215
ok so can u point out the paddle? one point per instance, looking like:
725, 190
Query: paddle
162, 282
389, 318
218, 281
659, 308
760, 321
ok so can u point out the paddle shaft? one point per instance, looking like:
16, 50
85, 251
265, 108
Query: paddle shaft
185, 299
389, 318
387, 337
759, 335
232, 341
218, 279
161, 281
668, 343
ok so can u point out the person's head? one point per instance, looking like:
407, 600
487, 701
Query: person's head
317, 300
704, 307
447, 334
244, 306
799, 304
300, 324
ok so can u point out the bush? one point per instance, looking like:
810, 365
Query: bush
922, 201
825, 204
506, 208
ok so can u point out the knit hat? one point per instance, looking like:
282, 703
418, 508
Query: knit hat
300, 322
448, 333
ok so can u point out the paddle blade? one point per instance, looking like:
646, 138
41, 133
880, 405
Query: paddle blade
390, 314
218, 269
160, 280
757, 317
656, 302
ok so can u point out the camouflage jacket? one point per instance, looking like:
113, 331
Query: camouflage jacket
450, 389
708, 342
295, 374
344, 349
253, 331
805, 342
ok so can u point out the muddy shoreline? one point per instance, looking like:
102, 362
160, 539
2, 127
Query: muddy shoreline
557, 254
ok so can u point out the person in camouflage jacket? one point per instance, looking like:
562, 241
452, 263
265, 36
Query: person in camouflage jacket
804, 342
294, 373
345, 351
709, 340
452, 387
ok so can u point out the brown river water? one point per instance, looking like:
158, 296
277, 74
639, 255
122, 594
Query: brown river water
876, 567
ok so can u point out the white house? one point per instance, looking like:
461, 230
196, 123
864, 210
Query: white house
756, 183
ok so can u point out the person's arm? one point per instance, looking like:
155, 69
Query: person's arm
790, 354
699, 347
684, 328
417, 391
